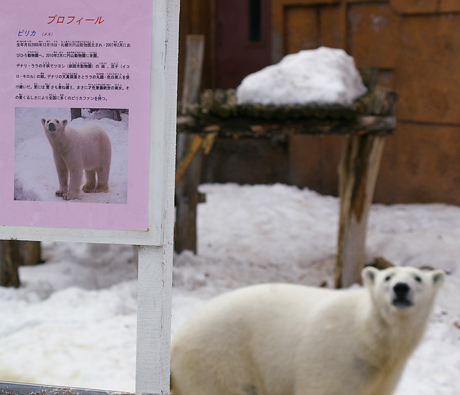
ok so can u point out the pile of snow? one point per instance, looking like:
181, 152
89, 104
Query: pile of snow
73, 321
323, 76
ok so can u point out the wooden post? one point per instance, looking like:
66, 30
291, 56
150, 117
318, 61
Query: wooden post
193, 69
358, 170
15, 253
31, 252
187, 197
10, 259
155, 262
154, 320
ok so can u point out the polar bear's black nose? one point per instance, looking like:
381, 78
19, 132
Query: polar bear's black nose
401, 290
52, 127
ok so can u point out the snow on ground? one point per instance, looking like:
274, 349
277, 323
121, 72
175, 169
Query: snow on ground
35, 176
73, 321
322, 75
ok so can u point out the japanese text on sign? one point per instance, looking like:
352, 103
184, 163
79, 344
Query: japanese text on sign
48, 70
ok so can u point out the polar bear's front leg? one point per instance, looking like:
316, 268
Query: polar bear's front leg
74, 185
90, 184
62, 172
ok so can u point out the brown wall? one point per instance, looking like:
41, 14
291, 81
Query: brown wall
415, 44
197, 17
416, 47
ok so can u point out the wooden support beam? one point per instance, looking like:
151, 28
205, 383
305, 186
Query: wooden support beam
193, 69
189, 153
187, 197
246, 127
10, 260
358, 170
193, 147
197, 143
15, 253
31, 252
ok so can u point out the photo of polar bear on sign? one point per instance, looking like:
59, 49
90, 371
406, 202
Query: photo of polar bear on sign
60, 159
276, 339
75, 150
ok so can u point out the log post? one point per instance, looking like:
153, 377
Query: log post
31, 252
358, 170
10, 259
14, 253
187, 197
193, 69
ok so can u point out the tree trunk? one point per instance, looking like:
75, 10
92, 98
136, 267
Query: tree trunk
358, 170
10, 260
31, 252
14, 253
187, 196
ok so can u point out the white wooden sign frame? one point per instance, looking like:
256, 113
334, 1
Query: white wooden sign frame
155, 262
155, 244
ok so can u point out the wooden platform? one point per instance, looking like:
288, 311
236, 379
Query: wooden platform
364, 125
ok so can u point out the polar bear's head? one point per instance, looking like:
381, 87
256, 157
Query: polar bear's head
402, 290
53, 125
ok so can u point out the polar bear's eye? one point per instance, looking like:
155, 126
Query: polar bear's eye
418, 279
388, 278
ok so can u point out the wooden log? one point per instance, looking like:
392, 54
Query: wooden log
187, 197
192, 148
243, 126
223, 103
10, 259
381, 101
188, 180
14, 253
193, 68
31, 252
358, 170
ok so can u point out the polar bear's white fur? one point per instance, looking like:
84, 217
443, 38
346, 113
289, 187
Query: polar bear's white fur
281, 339
75, 150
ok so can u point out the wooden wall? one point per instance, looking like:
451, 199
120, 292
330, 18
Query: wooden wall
197, 17
415, 44
416, 47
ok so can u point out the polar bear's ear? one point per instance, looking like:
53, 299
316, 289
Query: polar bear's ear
64, 122
368, 275
438, 278
43, 121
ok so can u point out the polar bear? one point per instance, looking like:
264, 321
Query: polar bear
284, 339
86, 148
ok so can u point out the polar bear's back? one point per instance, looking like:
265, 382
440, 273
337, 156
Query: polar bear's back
272, 303
255, 333
280, 339
93, 143
92, 133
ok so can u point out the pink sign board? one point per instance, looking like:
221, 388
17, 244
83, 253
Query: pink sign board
75, 113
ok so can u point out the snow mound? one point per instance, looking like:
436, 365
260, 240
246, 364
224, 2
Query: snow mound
323, 75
